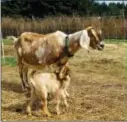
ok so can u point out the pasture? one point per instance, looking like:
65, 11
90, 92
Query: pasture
97, 90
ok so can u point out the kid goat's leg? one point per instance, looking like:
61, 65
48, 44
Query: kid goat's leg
44, 99
63, 94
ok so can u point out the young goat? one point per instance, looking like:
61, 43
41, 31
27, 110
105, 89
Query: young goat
54, 84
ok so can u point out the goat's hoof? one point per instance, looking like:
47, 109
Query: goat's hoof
27, 93
24, 90
29, 114
47, 114
58, 112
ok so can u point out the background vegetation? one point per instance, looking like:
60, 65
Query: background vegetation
113, 27
45, 16
42, 8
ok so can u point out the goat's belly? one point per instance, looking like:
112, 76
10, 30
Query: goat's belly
53, 92
32, 66
52, 88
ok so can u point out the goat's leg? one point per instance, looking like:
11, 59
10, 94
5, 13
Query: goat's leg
20, 65
58, 100
64, 98
22, 76
44, 107
66, 93
32, 99
25, 76
57, 106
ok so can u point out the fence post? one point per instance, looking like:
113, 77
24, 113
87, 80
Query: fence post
2, 48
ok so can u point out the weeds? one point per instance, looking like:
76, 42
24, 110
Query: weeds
112, 27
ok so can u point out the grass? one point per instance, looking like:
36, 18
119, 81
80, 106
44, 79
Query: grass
9, 61
97, 90
7, 42
115, 41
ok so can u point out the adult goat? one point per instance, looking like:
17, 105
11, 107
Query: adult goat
37, 51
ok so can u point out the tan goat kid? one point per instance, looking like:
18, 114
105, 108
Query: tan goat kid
54, 84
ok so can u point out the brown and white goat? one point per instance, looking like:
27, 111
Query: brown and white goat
44, 84
37, 50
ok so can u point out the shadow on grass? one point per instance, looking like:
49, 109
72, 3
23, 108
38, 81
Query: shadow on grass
19, 107
11, 86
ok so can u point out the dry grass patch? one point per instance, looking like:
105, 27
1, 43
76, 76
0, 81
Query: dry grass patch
97, 90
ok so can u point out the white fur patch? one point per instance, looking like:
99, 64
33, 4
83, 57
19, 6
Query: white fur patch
84, 40
100, 32
40, 52
102, 43
20, 51
60, 37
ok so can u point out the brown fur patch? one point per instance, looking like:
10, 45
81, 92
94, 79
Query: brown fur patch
30, 43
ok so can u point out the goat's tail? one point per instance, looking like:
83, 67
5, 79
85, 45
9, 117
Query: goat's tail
13, 38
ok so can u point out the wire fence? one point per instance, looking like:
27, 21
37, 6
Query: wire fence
113, 27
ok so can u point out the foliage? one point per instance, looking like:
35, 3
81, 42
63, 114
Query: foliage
42, 8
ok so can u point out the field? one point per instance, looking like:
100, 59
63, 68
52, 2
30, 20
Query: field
97, 90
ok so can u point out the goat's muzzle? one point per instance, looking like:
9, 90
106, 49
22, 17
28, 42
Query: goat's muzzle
101, 45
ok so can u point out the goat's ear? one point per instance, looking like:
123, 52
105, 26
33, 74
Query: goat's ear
84, 40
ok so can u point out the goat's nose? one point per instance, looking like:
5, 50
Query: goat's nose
102, 44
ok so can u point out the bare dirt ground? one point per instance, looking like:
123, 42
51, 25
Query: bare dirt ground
97, 90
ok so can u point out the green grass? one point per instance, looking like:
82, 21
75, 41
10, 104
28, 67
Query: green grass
7, 42
9, 61
115, 41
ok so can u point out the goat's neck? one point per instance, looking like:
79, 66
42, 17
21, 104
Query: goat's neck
74, 44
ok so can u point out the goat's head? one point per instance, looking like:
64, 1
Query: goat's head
92, 38
63, 72
96, 40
